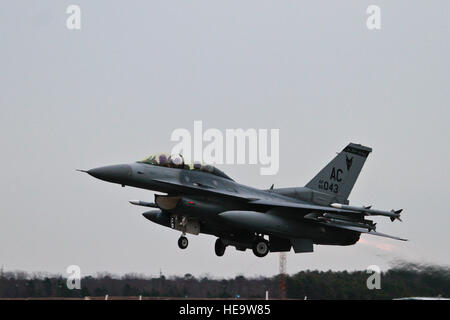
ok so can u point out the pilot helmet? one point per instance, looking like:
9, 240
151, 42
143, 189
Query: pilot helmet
176, 160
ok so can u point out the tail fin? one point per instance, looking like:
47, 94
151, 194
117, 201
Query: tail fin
339, 176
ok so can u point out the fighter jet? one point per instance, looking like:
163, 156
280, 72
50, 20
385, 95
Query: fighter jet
199, 198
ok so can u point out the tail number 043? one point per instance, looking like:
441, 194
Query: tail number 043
325, 185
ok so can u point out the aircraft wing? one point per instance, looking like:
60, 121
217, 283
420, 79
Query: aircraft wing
363, 230
198, 188
297, 205
206, 189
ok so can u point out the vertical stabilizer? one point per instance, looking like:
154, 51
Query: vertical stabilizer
339, 176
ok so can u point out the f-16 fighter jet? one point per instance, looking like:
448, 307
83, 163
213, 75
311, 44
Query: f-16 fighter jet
200, 198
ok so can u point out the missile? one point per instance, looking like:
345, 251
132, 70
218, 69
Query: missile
143, 203
393, 214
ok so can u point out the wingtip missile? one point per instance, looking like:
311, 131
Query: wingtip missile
367, 210
397, 215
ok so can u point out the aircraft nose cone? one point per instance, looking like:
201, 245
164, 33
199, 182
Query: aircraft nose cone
119, 173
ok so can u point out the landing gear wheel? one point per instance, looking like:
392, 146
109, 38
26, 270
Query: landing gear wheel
261, 248
183, 242
219, 247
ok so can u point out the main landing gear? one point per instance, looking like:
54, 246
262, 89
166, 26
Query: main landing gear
183, 242
261, 247
219, 247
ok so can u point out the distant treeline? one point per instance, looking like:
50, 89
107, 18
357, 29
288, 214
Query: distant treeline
406, 280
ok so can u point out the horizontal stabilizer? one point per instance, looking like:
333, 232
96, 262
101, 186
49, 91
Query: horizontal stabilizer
362, 230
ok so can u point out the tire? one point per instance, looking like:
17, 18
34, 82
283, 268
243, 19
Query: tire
219, 247
183, 242
261, 248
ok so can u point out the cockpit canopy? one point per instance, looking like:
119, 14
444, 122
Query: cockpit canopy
177, 161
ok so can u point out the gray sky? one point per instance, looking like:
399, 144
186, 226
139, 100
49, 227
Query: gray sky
114, 91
